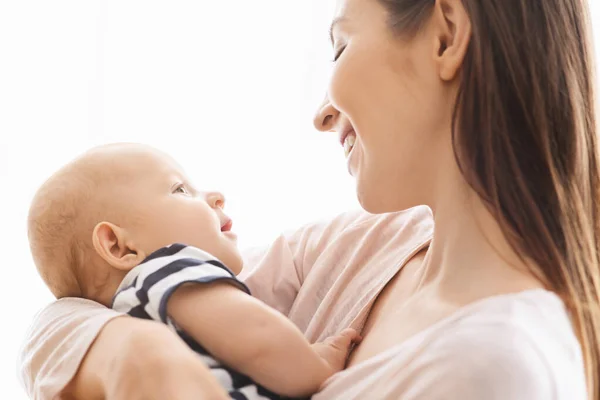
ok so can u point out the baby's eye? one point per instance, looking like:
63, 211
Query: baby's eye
181, 189
338, 53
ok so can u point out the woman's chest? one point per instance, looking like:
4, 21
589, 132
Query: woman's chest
397, 313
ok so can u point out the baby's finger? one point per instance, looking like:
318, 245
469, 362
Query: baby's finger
351, 335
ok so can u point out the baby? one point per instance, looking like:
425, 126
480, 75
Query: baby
123, 226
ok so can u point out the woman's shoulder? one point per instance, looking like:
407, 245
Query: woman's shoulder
538, 314
361, 219
515, 343
412, 224
506, 347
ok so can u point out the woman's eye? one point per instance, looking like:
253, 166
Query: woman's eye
338, 53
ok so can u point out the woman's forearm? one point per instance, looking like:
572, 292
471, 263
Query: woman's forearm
135, 359
56, 342
94, 374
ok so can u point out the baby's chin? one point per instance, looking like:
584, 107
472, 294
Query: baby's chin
230, 257
234, 262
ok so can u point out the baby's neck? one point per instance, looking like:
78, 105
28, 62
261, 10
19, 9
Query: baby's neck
102, 289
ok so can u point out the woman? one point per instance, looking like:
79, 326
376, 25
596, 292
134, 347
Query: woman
480, 109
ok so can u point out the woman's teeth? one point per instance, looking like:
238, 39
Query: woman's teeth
349, 143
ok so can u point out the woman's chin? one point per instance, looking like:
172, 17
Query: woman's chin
377, 200
368, 199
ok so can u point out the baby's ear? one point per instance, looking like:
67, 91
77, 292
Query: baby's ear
111, 243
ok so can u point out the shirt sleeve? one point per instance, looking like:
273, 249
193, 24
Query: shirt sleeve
57, 342
147, 288
275, 273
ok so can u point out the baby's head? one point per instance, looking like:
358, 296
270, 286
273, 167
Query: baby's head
106, 211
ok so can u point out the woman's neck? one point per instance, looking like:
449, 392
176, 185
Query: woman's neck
470, 258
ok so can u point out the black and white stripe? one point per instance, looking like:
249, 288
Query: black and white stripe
146, 289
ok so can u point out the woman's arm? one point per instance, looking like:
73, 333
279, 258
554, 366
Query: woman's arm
133, 359
56, 343
62, 334
93, 352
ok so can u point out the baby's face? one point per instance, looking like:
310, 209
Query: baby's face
168, 209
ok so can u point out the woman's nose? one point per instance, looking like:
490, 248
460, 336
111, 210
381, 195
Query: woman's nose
215, 199
326, 116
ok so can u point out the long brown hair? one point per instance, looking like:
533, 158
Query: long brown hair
525, 139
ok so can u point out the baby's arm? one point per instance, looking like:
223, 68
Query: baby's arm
256, 340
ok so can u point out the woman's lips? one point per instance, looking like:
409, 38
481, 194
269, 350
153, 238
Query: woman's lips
344, 134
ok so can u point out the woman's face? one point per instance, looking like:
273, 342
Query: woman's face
387, 92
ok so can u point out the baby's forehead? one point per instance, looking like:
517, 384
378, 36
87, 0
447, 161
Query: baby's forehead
136, 161
122, 167
149, 169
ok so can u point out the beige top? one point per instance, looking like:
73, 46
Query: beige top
325, 277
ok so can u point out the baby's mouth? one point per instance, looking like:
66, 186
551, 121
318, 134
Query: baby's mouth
227, 226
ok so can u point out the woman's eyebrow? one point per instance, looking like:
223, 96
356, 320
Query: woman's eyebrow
335, 22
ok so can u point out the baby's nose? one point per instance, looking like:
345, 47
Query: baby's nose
215, 199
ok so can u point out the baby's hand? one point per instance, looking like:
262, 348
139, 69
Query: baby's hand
334, 350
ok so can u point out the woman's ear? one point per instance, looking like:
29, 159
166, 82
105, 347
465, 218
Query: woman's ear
111, 243
453, 35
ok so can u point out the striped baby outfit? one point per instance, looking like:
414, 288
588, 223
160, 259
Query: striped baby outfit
146, 289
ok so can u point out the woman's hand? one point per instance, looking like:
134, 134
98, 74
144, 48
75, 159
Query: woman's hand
134, 359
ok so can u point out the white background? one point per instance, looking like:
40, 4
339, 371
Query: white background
226, 87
